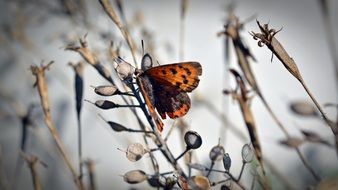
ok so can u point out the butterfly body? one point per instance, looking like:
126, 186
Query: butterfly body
165, 87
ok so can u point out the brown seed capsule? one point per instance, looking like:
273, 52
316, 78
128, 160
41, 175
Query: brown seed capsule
116, 127
135, 176
192, 139
199, 182
124, 69
135, 152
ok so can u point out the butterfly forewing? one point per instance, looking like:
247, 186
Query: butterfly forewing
183, 76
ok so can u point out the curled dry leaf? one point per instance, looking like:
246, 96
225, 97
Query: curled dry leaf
216, 153
135, 176
303, 108
135, 152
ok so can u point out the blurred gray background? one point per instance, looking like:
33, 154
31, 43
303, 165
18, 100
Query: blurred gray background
39, 30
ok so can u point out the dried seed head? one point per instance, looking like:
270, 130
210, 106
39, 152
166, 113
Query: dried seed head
116, 127
124, 69
225, 187
216, 153
109, 90
135, 176
247, 153
199, 182
192, 139
105, 104
135, 152
303, 108
226, 161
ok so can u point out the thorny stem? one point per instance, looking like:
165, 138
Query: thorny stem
43, 92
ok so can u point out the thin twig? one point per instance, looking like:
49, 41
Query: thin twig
41, 84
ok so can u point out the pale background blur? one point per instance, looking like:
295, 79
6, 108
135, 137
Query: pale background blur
303, 36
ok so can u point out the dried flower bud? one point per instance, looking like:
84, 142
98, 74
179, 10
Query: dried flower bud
109, 90
116, 127
247, 153
226, 161
303, 108
216, 153
135, 176
135, 152
105, 104
124, 69
192, 139
199, 182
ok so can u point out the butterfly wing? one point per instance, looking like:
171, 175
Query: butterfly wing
146, 89
170, 101
183, 76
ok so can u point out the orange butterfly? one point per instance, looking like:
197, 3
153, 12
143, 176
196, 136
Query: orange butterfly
165, 87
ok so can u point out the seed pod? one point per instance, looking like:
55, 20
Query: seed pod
247, 153
135, 176
124, 69
226, 161
303, 108
199, 182
106, 90
135, 152
216, 153
192, 139
105, 104
117, 127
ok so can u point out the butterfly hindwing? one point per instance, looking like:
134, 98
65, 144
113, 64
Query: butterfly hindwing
170, 101
183, 76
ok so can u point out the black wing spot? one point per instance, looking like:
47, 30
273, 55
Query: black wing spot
185, 81
183, 76
173, 71
180, 66
164, 71
188, 71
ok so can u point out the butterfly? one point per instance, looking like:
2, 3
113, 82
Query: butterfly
165, 87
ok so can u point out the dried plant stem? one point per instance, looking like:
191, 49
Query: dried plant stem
184, 7
267, 37
32, 161
91, 172
113, 16
41, 84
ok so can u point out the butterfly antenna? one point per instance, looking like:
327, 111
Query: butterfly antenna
142, 43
